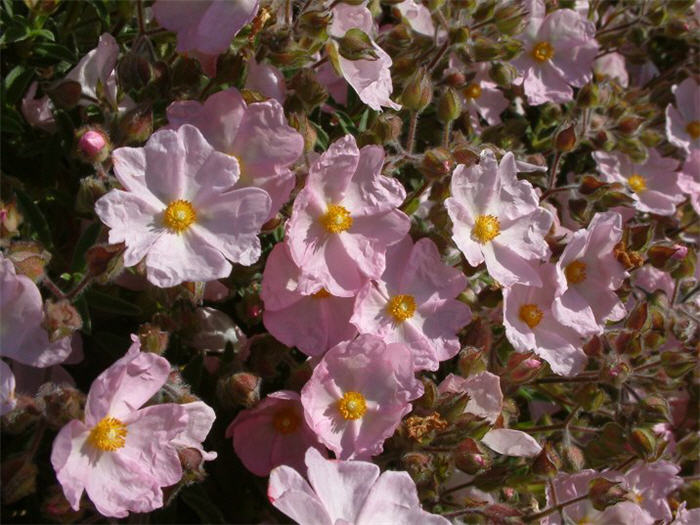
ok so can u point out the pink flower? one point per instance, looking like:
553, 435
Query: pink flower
531, 325
417, 16
358, 394
653, 185
683, 121
22, 335
558, 52
683, 515
413, 303
215, 330
273, 433
347, 492
38, 112
486, 400
650, 484
7, 389
205, 28
344, 219
497, 219
179, 211
120, 455
587, 275
613, 66
650, 279
569, 486
257, 135
200, 418
371, 79
481, 96
689, 179
265, 79
313, 323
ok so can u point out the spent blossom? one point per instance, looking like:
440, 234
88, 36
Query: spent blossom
180, 211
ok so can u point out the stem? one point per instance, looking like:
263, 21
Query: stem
458, 487
420, 191
446, 135
53, 288
556, 508
587, 378
411, 138
553, 174
441, 52
80, 287
139, 14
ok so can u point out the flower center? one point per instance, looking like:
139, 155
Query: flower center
108, 435
473, 90
401, 307
486, 227
637, 183
575, 272
693, 129
179, 215
321, 294
336, 219
286, 420
543, 51
352, 405
530, 315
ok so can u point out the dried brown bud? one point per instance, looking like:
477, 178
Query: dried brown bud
153, 339
62, 403
423, 429
61, 319
547, 463
436, 164
565, 139
105, 261
241, 388
29, 258
603, 493
471, 457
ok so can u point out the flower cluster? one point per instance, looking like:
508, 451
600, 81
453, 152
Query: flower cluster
406, 261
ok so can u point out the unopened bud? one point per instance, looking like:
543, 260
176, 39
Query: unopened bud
616, 373
565, 140
603, 493
153, 339
61, 319
62, 404
308, 89
502, 73
449, 106
418, 92
419, 465
356, 45
485, 49
136, 125
452, 405
10, 220
436, 163
522, 368
547, 463
105, 261
430, 394
90, 189
677, 364
471, 457
588, 95
644, 442
509, 19
93, 145
387, 127
242, 388
471, 361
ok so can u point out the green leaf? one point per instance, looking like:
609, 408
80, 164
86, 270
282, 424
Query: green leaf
346, 122
193, 371
48, 35
35, 218
11, 122
321, 136
110, 303
197, 498
87, 239
15, 84
15, 32
53, 51
82, 306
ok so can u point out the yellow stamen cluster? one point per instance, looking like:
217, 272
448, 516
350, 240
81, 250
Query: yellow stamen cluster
637, 183
336, 219
108, 435
352, 405
693, 129
543, 51
530, 315
486, 228
179, 215
286, 420
575, 272
401, 307
321, 294
473, 90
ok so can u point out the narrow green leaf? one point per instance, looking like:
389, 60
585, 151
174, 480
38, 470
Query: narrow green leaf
109, 303
35, 218
87, 239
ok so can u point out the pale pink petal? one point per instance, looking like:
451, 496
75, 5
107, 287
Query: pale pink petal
70, 461
511, 442
291, 494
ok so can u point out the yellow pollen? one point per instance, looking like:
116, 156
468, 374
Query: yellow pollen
179, 215
108, 435
637, 183
638, 497
473, 90
401, 307
286, 420
543, 51
336, 219
352, 405
575, 272
693, 129
530, 315
321, 294
486, 228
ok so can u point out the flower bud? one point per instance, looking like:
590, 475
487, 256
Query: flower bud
616, 373
387, 127
522, 368
436, 164
314, 22
29, 258
471, 457
643, 442
62, 404
565, 139
418, 92
419, 465
449, 106
547, 463
153, 339
241, 388
61, 319
502, 73
301, 123
105, 261
452, 405
603, 493
308, 89
136, 125
509, 19
90, 189
588, 95
356, 45
471, 361
430, 394
677, 364
18, 479
93, 145
484, 49
485, 11
10, 220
